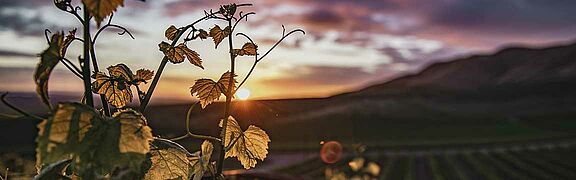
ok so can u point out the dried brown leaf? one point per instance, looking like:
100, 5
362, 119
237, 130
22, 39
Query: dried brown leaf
49, 58
101, 9
171, 32
191, 55
171, 53
248, 49
143, 75
203, 34
218, 34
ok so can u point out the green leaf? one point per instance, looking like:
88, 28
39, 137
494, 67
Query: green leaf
169, 161
49, 58
249, 146
101, 9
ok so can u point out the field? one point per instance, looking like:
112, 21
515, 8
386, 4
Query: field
546, 162
408, 138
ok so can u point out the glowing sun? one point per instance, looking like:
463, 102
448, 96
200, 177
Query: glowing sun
243, 93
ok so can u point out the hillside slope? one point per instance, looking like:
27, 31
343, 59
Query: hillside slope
516, 93
511, 66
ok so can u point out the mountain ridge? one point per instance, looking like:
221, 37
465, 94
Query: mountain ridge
507, 66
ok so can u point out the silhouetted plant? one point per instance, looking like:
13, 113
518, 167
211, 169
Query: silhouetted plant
79, 140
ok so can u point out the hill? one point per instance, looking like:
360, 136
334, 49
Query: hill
513, 94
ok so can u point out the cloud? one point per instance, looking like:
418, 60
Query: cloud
21, 25
347, 43
472, 24
15, 54
23, 17
491, 24
513, 16
21, 80
318, 75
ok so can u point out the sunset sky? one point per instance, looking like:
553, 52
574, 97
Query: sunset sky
348, 44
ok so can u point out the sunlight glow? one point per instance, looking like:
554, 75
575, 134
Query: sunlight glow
243, 93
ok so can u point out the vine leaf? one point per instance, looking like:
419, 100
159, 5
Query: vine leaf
248, 49
228, 10
124, 142
203, 34
170, 52
171, 32
191, 55
177, 54
121, 71
79, 132
169, 161
48, 60
135, 135
101, 9
207, 90
218, 34
116, 90
201, 161
249, 146
116, 87
64, 132
143, 75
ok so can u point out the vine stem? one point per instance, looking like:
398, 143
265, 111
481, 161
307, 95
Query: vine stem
86, 59
103, 100
190, 134
92, 43
71, 67
3, 99
160, 69
256, 59
228, 103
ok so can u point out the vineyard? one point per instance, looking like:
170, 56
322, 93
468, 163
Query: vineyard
554, 160
385, 111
